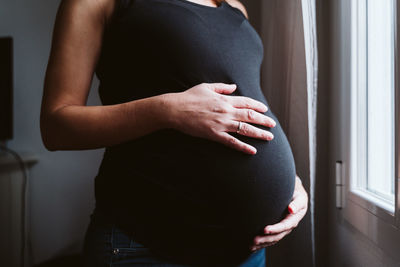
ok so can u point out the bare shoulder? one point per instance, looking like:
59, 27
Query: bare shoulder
76, 46
239, 5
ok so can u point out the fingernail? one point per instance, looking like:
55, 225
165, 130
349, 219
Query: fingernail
271, 136
291, 209
273, 123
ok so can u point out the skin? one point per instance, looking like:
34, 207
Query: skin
206, 110
297, 210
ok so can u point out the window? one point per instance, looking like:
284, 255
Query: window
373, 102
366, 113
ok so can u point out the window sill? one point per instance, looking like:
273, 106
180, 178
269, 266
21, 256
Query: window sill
377, 207
373, 201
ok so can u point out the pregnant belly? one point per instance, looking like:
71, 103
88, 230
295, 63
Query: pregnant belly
195, 193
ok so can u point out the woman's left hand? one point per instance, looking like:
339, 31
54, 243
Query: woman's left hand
297, 209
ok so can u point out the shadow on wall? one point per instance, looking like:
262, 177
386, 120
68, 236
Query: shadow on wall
64, 261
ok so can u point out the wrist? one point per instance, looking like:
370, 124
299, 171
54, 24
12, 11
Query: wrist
165, 107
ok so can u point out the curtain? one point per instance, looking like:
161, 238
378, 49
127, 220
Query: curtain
289, 82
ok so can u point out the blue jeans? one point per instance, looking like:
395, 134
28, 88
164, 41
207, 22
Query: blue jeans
107, 245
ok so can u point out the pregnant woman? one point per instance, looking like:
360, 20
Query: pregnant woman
196, 165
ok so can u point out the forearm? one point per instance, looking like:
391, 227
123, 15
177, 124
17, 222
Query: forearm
76, 127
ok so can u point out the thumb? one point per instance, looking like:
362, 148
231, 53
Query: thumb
223, 88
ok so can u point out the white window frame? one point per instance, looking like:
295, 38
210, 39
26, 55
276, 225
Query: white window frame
376, 222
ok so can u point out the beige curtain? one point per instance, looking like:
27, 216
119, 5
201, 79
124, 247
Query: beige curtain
289, 81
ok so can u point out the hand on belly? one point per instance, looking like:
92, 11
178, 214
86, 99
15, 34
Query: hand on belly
297, 210
207, 111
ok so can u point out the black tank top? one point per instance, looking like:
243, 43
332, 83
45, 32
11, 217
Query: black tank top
187, 198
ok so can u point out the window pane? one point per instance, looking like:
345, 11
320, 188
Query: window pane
380, 98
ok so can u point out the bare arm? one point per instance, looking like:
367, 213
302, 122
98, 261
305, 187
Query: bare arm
67, 123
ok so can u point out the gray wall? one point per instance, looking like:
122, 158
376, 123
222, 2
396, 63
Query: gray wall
61, 184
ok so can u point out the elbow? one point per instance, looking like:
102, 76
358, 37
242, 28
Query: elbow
49, 145
47, 139
48, 134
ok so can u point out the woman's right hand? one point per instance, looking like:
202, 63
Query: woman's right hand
208, 111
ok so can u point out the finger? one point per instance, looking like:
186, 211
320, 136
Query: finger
292, 208
250, 131
254, 248
266, 245
223, 88
249, 115
291, 221
247, 102
235, 143
299, 202
259, 240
